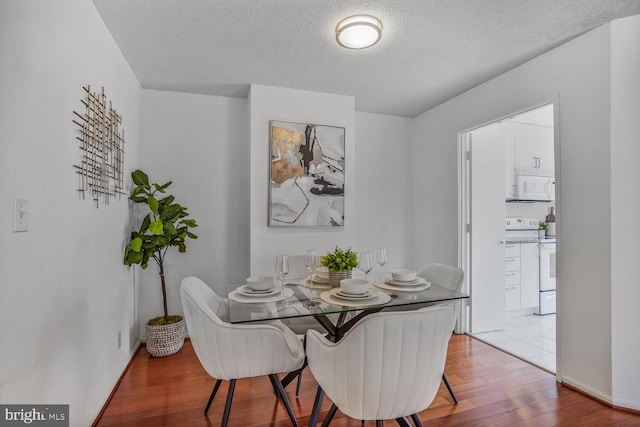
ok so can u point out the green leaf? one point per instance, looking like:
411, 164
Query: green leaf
167, 200
190, 234
189, 222
171, 213
169, 229
136, 244
156, 227
138, 199
161, 188
159, 241
153, 204
145, 224
140, 178
136, 192
133, 258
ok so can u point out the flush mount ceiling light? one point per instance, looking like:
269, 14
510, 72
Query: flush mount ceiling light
358, 31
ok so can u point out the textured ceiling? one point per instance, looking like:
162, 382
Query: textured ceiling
431, 50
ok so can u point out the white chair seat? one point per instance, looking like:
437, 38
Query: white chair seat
229, 352
388, 366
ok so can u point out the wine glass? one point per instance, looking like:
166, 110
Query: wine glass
311, 261
381, 256
364, 262
282, 268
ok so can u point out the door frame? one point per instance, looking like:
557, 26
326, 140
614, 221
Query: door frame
464, 205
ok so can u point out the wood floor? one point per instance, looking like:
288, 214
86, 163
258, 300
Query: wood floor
493, 388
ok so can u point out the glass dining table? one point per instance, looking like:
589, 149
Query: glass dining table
301, 298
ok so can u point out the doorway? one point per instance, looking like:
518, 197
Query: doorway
508, 174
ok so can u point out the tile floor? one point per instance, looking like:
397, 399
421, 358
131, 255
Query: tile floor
531, 338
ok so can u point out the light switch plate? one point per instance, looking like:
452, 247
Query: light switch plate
20, 214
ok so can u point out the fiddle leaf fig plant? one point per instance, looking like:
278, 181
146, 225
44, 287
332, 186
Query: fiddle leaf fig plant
165, 225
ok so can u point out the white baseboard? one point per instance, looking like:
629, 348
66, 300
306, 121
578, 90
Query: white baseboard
627, 404
588, 390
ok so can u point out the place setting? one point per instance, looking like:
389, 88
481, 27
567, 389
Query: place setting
403, 281
354, 293
318, 277
317, 280
260, 290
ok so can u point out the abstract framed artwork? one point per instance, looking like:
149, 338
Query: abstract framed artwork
307, 171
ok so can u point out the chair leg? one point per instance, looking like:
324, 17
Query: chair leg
298, 384
304, 346
213, 394
379, 423
315, 413
283, 396
330, 414
416, 420
446, 382
403, 422
227, 405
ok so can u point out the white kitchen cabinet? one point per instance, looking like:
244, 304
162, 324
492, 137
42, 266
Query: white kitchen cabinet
511, 250
521, 276
512, 298
529, 275
533, 147
512, 277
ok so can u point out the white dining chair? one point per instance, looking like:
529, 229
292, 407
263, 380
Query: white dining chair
448, 277
388, 366
229, 352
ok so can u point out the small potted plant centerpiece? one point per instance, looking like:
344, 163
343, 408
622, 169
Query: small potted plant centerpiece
165, 225
339, 263
542, 229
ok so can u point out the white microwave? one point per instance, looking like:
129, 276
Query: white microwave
535, 187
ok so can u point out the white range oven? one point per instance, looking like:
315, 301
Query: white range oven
525, 230
547, 303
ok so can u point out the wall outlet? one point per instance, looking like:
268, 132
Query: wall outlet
20, 214
119, 339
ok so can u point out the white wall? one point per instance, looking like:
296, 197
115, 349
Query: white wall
64, 292
378, 190
200, 143
625, 207
577, 76
272, 103
384, 189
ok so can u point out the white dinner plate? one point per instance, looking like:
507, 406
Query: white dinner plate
417, 282
346, 295
320, 279
238, 297
376, 298
246, 291
315, 285
394, 288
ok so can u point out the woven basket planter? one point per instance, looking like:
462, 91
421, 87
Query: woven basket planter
336, 276
165, 340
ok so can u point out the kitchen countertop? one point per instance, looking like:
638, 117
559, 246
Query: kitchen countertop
519, 241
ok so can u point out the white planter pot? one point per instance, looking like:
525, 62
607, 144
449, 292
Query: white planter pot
164, 340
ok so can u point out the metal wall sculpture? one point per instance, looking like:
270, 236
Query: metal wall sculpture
307, 175
101, 139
